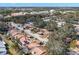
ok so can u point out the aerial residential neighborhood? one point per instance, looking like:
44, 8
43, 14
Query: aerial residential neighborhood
39, 31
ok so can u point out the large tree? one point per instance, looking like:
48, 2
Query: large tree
38, 22
56, 44
51, 25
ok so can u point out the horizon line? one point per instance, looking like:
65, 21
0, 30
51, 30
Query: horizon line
39, 4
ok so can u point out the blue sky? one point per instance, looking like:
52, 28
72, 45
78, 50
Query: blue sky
39, 4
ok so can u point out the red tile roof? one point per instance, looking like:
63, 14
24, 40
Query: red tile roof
38, 51
32, 45
77, 42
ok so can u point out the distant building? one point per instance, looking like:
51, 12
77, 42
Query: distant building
1, 16
52, 11
18, 14
40, 12
43, 12
8, 16
60, 24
